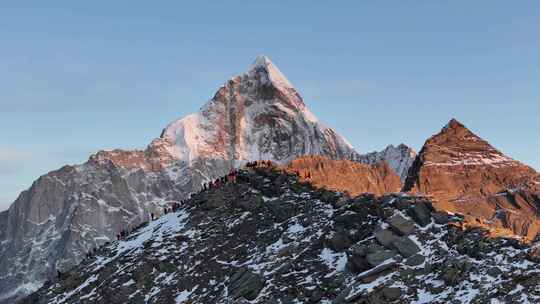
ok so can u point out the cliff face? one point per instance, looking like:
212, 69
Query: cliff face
465, 174
66, 213
347, 176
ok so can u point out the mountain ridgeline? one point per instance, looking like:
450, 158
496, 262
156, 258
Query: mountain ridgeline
269, 237
66, 213
318, 223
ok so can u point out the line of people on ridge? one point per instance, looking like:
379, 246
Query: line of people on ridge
259, 163
173, 207
230, 178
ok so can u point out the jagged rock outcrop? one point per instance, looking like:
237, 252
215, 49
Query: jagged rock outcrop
348, 176
66, 213
465, 174
270, 238
399, 158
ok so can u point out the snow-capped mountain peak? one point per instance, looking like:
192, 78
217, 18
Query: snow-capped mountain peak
256, 115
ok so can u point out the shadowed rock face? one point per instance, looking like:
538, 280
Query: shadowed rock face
465, 174
347, 176
257, 115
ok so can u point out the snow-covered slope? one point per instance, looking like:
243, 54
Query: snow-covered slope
399, 158
66, 213
271, 239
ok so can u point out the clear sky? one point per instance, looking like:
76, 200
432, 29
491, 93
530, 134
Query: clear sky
79, 76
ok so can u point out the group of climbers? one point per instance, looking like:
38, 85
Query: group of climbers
259, 163
123, 233
230, 178
173, 207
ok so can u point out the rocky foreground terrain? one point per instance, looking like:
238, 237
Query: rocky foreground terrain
271, 238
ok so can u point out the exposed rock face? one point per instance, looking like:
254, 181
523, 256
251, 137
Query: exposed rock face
66, 213
347, 176
399, 158
272, 239
465, 174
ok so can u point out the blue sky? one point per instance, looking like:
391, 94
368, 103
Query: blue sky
79, 76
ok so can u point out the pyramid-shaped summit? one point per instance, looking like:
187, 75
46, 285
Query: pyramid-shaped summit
256, 115
457, 145
466, 175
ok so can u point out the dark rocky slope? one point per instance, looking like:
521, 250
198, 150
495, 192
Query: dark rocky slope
271, 239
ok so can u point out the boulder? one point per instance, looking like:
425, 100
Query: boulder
406, 247
494, 272
245, 284
455, 270
356, 261
339, 242
376, 258
386, 238
391, 294
374, 273
401, 225
533, 254
421, 213
415, 260
441, 218
342, 296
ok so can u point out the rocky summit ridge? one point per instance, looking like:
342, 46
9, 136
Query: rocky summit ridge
350, 177
465, 174
271, 238
66, 213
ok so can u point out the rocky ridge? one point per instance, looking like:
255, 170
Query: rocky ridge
400, 158
351, 177
270, 238
465, 174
